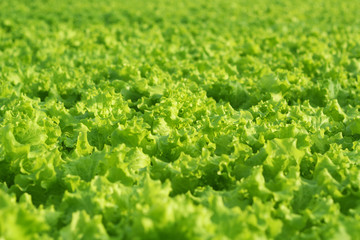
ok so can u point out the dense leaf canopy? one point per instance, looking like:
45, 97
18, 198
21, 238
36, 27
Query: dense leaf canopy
185, 119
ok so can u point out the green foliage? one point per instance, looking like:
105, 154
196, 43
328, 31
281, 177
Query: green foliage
179, 119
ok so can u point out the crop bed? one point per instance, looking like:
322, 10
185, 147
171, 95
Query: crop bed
190, 119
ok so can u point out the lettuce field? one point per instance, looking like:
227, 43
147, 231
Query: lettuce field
189, 119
